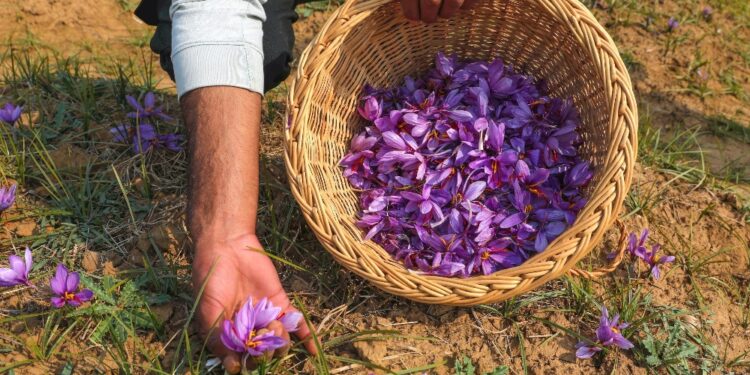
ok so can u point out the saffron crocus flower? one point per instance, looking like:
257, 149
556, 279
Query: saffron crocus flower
655, 260
65, 287
10, 113
148, 109
144, 138
242, 333
609, 333
290, 320
497, 254
18, 272
7, 197
707, 12
170, 141
440, 266
637, 247
672, 24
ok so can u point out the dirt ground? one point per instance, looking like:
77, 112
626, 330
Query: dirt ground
705, 227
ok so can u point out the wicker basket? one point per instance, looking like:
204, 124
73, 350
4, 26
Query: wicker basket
369, 41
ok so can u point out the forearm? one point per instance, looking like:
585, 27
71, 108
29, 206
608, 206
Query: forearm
223, 125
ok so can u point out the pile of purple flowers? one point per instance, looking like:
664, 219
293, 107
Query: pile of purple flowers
143, 135
471, 169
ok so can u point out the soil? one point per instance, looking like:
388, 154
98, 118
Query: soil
693, 223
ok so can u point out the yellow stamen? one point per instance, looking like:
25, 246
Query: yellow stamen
528, 208
69, 296
249, 343
615, 330
485, 255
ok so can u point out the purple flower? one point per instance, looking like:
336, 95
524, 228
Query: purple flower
18, 273
65, 287
7, 197
440, 266
495, 255
707, 12
290, 320
655, 260
371, 109
10, 113
609, 333
637, 247
170, 141
145, 138
242, 334
672, 24
148, 109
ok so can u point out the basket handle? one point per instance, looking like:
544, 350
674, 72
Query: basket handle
612, 265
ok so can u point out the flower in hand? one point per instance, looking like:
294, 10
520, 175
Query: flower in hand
249, 333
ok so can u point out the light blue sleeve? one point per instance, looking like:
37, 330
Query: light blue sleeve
217, 43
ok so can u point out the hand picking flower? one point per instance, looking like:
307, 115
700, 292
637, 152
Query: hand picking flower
18, 273
65, 287
609, 333
244, 334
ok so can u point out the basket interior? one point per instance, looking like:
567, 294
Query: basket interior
384, 47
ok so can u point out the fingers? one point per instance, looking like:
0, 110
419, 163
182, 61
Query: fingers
229, 359
304, 335
278, 330
468, 4
450, 8
411, 9
231, 363
428, 10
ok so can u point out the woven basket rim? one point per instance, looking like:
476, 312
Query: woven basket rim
542, 267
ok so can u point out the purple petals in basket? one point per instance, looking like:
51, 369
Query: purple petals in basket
468, 170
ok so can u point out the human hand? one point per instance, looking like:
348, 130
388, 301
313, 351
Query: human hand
235, 272
428, 11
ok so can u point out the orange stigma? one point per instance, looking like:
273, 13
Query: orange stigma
615, 330
485, 255
528, 208
69, 296
249, 343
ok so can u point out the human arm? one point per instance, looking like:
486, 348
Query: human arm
219, 75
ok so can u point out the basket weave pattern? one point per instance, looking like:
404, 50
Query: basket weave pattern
368, 41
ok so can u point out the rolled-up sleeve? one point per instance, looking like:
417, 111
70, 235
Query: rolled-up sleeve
217, 43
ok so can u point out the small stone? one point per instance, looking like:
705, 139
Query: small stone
162, 312
90, 261
135, 257
109, 269
71, 158
17, 327
568, 357
372, 351
25, 229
